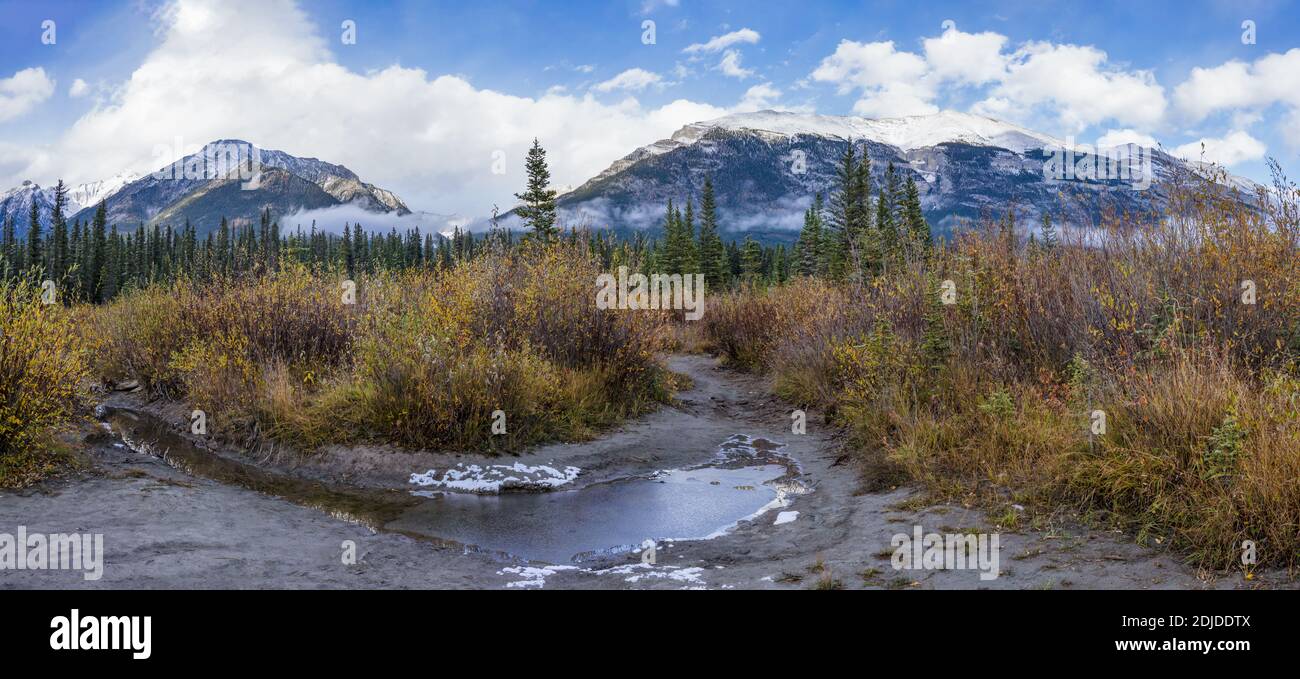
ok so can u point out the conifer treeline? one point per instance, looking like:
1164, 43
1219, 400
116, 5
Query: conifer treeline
846, 237
855, 236
92, 262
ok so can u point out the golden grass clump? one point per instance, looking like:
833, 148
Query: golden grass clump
43, 371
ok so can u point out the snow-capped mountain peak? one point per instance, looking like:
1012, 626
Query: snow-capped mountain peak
905, 133
91, 193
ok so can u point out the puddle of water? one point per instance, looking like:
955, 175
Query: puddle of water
562, 526
147, 434
558, 526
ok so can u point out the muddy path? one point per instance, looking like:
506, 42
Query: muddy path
778, 511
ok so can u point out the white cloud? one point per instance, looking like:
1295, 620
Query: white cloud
1126, 136
1238, 85
79, 88
23, 91
633, 79
973, 58
650, 5
430, 138
1077, 85
1246, 89
584, 68
730, 66
1236, 147
759, 97
721, 42
896, 99
893, 83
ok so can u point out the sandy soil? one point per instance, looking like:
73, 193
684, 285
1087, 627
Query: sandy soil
164, 528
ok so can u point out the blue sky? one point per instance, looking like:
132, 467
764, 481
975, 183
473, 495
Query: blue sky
431, 93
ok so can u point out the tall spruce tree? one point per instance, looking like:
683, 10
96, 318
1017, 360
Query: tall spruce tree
1048, 239
886, 224
35, 249
59, 254
98, 246
713, 254
843, 221
9, 249
538, 210
810, 238
918, 230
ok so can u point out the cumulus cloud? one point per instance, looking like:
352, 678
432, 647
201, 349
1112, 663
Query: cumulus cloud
1245, 88
730, 66
1239, 85
1074, 85
721, 42
260, 70
759, 97
23, 91
79, 88
1126, 136
1077, 84
633, 79
974, 58
1236, 147
892, 82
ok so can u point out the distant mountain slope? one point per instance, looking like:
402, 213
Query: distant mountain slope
287, 184
16, 205
767, 166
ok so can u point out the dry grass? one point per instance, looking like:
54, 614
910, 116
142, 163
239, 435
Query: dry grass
994, 394
422, 359
42, 376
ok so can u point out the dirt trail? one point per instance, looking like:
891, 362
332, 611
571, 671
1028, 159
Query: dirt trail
164, 528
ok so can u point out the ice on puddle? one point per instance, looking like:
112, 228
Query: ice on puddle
496, 478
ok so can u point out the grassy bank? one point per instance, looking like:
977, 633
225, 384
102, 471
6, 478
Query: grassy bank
421, 358
996, 397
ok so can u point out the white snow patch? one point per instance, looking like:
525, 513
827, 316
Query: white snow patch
533, 576
637, 572
785, 517
495, 478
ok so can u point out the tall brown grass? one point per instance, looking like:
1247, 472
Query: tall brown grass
993, 397
422, 359
43, 375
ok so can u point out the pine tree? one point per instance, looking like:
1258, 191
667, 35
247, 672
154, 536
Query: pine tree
59, 254
349, 259
35, 249
843, 220
223, 248
98, 245
886, 227
672, 249
690, 263
713, 254
108, 276
935, 344
9, 249
810, 239
1048, 231
918, 230
538, 210
751, 260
